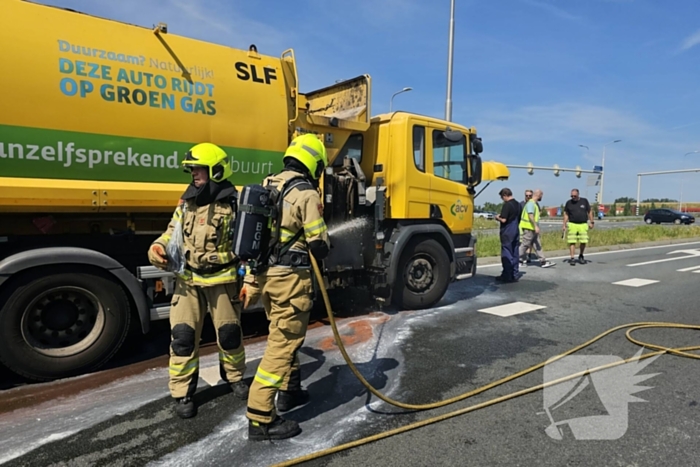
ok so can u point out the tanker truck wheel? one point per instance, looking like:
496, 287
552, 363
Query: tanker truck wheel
62, 324
423, 275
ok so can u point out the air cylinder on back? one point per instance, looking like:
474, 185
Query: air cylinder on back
251, 232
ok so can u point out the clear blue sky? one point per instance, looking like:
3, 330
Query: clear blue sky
535, 77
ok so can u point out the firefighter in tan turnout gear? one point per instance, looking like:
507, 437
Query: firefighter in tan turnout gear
209, 278
286, 289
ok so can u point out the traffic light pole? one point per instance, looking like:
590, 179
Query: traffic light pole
663, 172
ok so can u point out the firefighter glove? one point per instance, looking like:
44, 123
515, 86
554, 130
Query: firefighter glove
156, 255
250, 293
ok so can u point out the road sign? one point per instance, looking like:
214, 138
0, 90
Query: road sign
597, 168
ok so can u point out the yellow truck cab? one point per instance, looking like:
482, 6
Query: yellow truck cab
418, 175
96, 118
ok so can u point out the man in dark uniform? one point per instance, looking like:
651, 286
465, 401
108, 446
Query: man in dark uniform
510, 237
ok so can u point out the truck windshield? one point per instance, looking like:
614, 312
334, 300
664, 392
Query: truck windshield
449, 157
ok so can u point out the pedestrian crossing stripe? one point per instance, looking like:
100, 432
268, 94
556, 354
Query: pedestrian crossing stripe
511, 309
635, 282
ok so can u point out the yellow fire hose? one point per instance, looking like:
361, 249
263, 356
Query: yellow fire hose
658, 350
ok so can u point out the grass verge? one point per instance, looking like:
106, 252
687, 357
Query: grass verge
490, 245
484, 224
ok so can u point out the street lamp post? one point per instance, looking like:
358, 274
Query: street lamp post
391, 102
450, 55
602, 174
680, 202
584, 146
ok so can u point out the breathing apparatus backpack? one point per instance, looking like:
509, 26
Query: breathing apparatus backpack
257, 229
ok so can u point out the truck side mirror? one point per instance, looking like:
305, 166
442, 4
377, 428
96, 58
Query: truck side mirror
477, 145
476, 170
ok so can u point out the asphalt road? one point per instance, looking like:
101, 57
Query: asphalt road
422, 357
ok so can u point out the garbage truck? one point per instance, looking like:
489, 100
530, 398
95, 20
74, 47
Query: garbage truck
95, 120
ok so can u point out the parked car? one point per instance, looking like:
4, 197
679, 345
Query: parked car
658, 216
484, 214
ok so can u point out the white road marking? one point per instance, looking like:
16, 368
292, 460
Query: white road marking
688, 254
498, 265
635, 282
511, 309
211, 375
689, 269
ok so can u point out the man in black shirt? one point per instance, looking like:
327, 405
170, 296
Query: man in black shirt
578, 214
510, 236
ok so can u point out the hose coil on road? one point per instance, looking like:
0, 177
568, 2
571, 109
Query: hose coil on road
631, 327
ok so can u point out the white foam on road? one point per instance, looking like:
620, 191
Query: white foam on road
30, 428
340, 411
635, 282
511, 309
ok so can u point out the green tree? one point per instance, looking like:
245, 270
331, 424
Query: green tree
628, 209
544, 212
491, 207
653, 205
613, 210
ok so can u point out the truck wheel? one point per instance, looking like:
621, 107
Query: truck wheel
423, 275
62, 324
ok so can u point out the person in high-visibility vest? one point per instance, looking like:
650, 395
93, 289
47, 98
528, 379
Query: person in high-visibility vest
528, 197
530, 228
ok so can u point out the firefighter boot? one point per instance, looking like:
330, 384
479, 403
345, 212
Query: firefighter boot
279, 428
240, 389
287, 400
185, 408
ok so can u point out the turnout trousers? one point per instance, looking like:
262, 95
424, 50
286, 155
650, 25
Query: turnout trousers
510, 238
287, 295
189, 308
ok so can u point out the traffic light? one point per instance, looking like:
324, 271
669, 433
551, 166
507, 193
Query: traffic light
597, 197
556, 170
530, 168
578, 171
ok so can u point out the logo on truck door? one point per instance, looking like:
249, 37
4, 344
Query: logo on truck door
458, 209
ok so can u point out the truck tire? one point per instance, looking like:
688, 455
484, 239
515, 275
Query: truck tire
62, 324
423, 275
